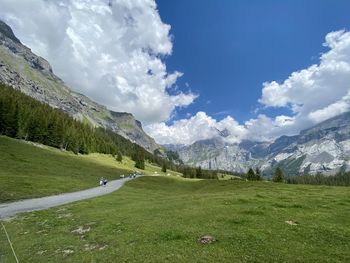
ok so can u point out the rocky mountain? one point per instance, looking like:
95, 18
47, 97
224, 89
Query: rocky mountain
324, 148
33, 75
215, 154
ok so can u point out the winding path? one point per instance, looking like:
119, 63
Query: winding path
28, 205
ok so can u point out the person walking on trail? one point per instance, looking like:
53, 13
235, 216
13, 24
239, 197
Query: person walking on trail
101, 181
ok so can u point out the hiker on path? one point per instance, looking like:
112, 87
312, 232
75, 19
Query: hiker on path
102, 181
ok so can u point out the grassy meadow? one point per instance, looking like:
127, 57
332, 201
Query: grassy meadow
160, 219
33, 170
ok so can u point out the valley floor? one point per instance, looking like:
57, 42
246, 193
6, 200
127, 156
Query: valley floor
29, 170
160, 219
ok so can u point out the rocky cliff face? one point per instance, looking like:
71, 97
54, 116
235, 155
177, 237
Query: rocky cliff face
216, 154
33, 75
324, 148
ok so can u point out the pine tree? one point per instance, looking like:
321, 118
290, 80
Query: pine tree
2, 113
140, 160
258, 176
164, 167
250, 175
10, 118
199, 173
278, 176
119, 157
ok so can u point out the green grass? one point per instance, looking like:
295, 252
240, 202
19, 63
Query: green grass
159, 219
28, 170
222, 176
126, 126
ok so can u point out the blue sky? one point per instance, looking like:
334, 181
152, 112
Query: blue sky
227, 49
188, 68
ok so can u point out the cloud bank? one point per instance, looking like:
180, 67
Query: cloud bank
109, 50
198, 127
314, 94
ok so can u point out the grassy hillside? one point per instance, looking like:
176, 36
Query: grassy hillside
28, 170
31, 171
159, 219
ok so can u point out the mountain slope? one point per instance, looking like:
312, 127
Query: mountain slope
323, 148
33, 75
215, 153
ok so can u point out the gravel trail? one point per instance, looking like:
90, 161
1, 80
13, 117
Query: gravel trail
35, 204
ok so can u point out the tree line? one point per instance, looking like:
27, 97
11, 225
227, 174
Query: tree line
23, 117
198, 172
339, 179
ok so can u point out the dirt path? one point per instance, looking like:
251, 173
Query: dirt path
28, 205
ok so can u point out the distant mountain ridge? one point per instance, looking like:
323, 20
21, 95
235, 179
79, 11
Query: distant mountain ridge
323, 148
33, 75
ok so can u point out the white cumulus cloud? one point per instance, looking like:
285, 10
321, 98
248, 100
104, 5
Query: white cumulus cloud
314, 94
111, 50
314, 89
198, 127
